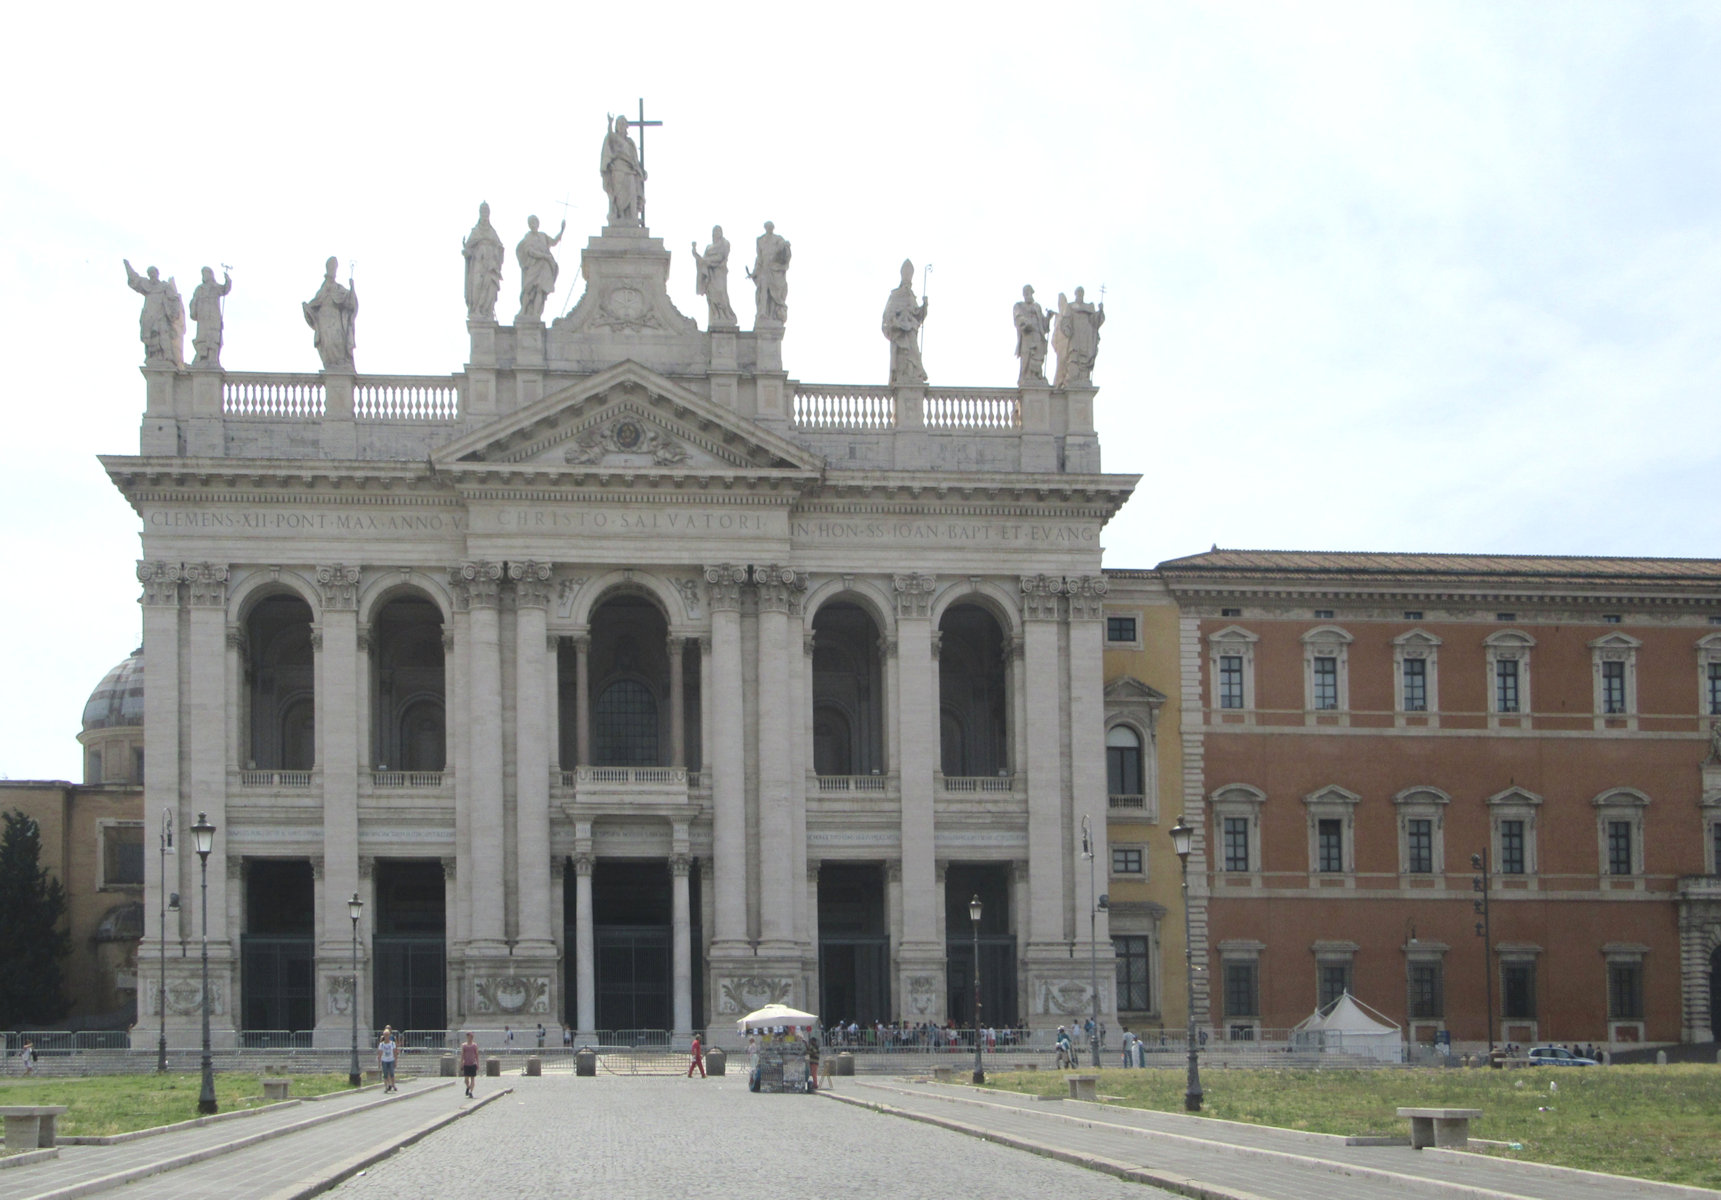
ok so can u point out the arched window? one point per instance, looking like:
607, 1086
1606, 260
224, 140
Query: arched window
1123, 761
624, 725
421, 740
832, 742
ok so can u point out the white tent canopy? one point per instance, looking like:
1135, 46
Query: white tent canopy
773, 1015
1348, 1026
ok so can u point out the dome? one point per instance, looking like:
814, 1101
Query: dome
118, 698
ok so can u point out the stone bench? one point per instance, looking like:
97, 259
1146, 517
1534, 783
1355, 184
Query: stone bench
1084, 1087
1446, 1128
276, 1089
31, 1126
944, 1074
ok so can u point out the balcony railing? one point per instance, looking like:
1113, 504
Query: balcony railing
833, 406
1117, 801
1004, 784
657, 776
275, 779
419, 780
834, 784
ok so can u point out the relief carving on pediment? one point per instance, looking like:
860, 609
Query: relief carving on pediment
627, 437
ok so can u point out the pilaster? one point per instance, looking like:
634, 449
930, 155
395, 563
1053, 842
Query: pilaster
532, 766
920, 956
725, 758
481, 586
338, 737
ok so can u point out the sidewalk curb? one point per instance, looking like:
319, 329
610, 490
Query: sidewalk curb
1194, 1188
377, 1153
133, 1174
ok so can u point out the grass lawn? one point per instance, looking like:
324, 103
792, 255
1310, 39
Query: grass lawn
1651, 1122
108, 1104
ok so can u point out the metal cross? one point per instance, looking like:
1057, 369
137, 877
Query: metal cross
640, 125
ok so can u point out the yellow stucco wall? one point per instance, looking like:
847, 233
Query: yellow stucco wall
1151, 660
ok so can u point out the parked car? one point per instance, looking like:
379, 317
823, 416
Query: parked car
1557, 1056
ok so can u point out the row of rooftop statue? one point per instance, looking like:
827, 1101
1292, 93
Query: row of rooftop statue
332, 314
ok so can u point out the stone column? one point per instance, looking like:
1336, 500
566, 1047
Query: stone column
1047, 838
364, 724
681, 961
921, 967
585, 982
677, 706
482, 582
582, 644
337, 756
238, 726
457, 657
553, 705
724, 758
161, 792
531, 767
777, 884
1085, 606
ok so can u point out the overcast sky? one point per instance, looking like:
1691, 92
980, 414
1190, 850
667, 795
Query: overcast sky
1434, 277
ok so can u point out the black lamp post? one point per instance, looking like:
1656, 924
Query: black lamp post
1485, 931
1095, 903
1183, 840
974, 917
161, 990
203, 833
355, 909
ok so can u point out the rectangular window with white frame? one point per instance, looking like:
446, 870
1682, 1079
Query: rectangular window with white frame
1231, 681
1419, 846
1332, 831
1619, 828
1507, 653
1326, 675
1231, 668
1128, 860
1506, 686
1236, 811
1415, 685
1237, 843
1511, 861
1415, 663
1512, 815
1614, 659
1326, 682
1427, 990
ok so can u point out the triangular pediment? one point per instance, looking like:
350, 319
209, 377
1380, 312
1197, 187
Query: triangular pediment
628, 418
1127, 689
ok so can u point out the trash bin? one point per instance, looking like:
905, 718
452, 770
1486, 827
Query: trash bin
446, 1069
534, 1065
493, 1067
845, 1063
716, 1062
586, 1062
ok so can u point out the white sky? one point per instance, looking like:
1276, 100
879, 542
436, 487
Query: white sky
1379, 276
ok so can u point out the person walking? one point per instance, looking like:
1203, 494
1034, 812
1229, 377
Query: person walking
29, 1057
812, 1063
469, 1063
385, 1056
698, 1059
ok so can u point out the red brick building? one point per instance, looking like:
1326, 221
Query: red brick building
1358, 726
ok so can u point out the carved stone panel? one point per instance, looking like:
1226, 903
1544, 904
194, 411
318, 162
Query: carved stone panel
340, 586
1054, 997
511, 995
741, 994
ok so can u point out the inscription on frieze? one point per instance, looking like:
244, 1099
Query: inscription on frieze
945, 532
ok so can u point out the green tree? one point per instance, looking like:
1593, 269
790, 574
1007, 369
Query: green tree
33, 944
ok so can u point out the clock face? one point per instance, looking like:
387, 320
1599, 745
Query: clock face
628, 435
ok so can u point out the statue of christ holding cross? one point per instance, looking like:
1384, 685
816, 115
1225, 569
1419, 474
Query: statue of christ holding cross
623, 175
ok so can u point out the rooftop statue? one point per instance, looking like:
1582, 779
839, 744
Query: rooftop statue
1033, 323
623, 176
1077, 340
332, 315
770, 276
903, 317
712, 280
483, 251
537, 269
206, 311
161, 325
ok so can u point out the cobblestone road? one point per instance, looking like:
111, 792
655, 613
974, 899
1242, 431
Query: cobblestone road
616, 1136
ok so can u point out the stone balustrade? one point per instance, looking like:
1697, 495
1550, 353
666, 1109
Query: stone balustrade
954, 408
279, 396
847, 407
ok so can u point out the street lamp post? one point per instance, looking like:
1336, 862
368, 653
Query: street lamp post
1485, 931
203, 834
161, 989
1182, 840
974, 917
355, 909
1095, 903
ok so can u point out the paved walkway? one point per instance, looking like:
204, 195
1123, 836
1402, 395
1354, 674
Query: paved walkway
617, 1135
275, 1152
1200, 1156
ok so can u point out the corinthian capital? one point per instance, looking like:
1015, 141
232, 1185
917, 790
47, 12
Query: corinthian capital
340, 587
478, 584
207, 584
725, 581
531, 583
160, 583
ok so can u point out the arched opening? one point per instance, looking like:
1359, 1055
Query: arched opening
629, 682
973, 693
848, 686
1123, 762
281, 685
408, 697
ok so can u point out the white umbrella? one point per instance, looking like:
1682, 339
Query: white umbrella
773, 1015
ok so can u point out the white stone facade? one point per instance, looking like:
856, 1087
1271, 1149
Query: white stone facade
546, 634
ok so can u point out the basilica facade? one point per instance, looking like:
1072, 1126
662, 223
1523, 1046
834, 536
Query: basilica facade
625, 681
